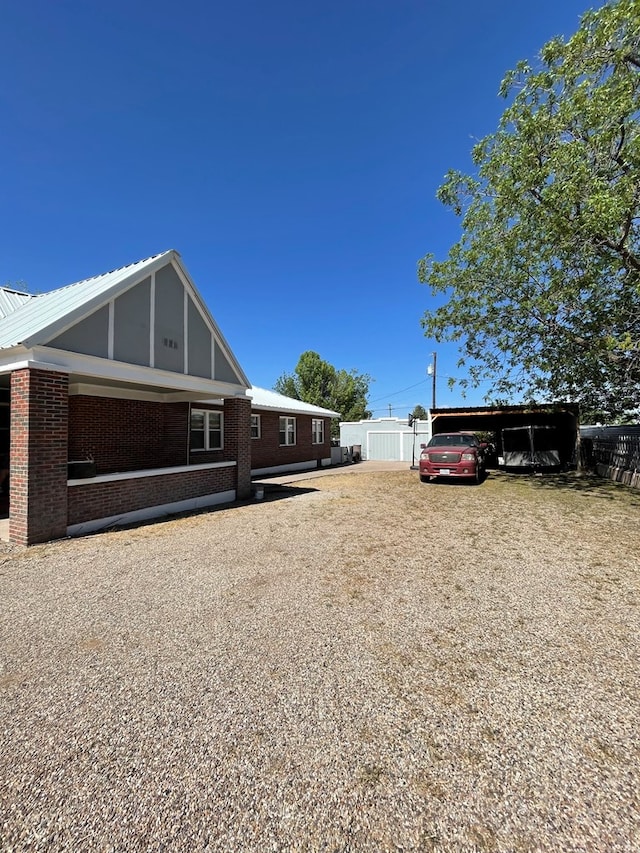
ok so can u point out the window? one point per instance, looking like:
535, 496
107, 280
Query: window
287, 431
255, 426
317, 431
206, 430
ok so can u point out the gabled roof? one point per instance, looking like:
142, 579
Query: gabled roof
39, 318
37, 321
274, 402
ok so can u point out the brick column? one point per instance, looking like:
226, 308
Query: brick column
39, 439
237, 441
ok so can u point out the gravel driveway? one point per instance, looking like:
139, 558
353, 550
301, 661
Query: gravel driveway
357, 663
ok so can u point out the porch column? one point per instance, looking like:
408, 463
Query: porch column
237, 441
38, 456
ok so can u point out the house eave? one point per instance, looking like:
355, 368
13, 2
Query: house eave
320, 413
100, 376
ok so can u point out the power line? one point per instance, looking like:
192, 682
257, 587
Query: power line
395, 393
440, 378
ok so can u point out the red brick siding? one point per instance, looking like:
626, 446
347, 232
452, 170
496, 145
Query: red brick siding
48, 428
237, 439
103, 500
128, 435
266, 450
39, 436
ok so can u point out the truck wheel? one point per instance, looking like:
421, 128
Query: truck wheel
425, 478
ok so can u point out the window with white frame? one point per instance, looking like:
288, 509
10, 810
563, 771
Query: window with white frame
255, 426
287, 431
317, 431
206, 430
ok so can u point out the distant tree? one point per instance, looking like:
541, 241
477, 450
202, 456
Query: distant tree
419, 413
542, 291
317, 382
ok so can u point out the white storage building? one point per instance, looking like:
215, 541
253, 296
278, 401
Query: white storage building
386, 439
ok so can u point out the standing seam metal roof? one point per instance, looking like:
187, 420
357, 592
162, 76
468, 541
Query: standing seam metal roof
11, 300
31, 323
262, 398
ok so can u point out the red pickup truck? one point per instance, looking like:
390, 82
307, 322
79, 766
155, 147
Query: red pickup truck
453, 454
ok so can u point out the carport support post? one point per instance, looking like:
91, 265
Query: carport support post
38, 455
237, 441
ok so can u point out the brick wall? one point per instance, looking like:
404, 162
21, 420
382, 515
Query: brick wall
48, 428
39, 437
128, 435
266, 450
237, 440
89, 501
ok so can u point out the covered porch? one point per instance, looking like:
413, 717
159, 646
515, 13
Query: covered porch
52, 415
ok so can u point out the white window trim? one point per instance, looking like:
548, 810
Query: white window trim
289, 421
317, 426
207, 413
258, 421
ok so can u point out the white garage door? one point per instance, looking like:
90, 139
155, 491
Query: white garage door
384, 446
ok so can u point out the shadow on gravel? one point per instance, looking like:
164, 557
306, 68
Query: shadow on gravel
271, 493
278, 491
588, 484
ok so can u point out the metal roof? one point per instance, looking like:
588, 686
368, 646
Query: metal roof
493, 410
39, 318
262, 398
11, 300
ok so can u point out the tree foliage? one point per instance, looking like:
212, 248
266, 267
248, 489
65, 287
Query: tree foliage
317, 382
419, 413
543, 289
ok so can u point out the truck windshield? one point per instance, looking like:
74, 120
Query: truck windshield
445, 440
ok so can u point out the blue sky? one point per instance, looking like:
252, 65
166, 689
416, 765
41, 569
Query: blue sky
290, 151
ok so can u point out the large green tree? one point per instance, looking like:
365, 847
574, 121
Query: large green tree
542, 291
317, 382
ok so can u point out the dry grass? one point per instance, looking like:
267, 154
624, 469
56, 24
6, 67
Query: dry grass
361, 663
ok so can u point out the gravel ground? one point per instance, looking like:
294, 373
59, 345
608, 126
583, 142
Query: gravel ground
356, 663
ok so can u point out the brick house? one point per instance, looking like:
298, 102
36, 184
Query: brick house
120, 399
286, 434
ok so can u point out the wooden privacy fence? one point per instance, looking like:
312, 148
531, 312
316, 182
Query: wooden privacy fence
614, 453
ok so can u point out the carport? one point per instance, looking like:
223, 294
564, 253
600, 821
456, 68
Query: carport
565, 417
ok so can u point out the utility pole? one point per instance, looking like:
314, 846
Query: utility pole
433, 394
413, 422
389, 409
431, 371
